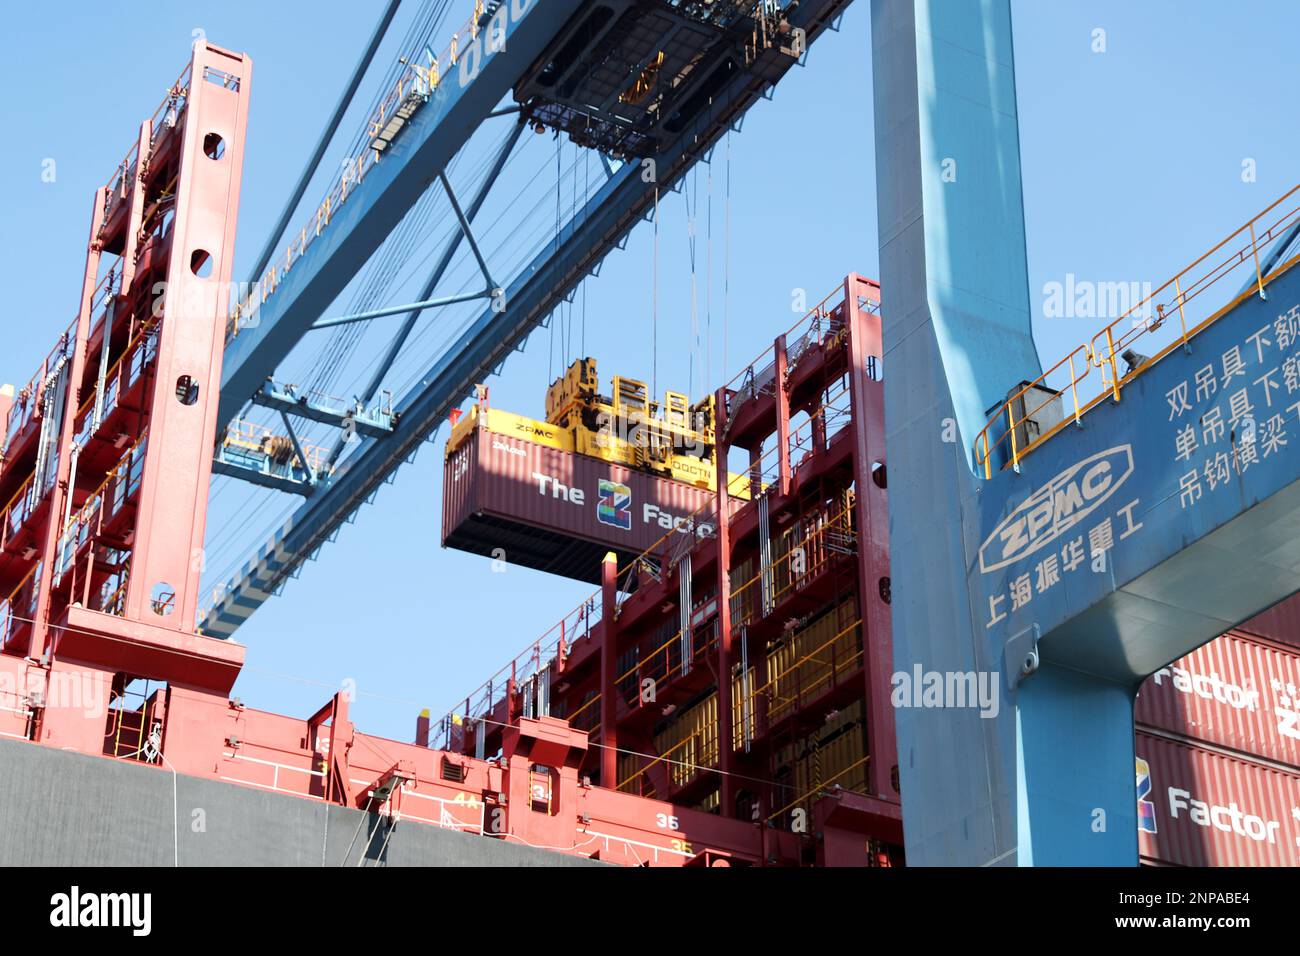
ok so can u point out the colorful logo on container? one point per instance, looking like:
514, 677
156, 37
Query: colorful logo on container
615, 505
1146, 808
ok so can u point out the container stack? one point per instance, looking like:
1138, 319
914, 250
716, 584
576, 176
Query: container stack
1218, 750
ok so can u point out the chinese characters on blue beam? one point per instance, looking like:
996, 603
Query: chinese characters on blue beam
1043, 527
1213, 448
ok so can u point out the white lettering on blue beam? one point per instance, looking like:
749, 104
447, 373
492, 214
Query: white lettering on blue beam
1056, 507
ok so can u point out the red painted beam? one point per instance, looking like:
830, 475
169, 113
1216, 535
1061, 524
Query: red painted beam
168, 549
726, 753
609, 671
872, 514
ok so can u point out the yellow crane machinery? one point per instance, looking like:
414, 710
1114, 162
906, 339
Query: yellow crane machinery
674, 439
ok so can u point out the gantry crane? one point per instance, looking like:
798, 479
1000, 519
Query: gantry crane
1071, 543
575, 65
1069, 531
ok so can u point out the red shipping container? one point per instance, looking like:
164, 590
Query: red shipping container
1280, 623
1235, 692
1197, 807
540, 507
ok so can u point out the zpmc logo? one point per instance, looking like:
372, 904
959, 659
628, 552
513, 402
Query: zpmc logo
1056, 507
1146, 808
615, 505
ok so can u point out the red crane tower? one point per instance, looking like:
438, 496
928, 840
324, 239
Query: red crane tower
109, 447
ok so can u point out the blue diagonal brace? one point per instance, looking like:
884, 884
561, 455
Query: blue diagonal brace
434, 134
468, 232
583, 242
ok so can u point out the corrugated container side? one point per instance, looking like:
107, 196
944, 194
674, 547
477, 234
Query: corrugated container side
458, 487
1280, 623
1198, 807
746, 593
1234, 692
743, 712
691, 737
627, 767
575, 495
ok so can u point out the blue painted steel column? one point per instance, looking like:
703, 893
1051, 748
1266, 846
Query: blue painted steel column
1017, 780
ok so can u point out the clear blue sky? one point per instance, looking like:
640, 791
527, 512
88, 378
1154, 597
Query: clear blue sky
1133, 167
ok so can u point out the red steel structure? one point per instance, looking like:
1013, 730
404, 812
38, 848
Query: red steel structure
111, 442
107, 454
801, 739
608, 737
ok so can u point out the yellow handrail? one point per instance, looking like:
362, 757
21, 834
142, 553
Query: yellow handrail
838, 520
1103, 356
665, 757
111, 605
807, 657
116, 367
7, 615
821, 786
582, 709
18, 494
96, 497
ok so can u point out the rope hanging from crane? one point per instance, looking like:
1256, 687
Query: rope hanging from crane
691, 195
726, 263
654, 302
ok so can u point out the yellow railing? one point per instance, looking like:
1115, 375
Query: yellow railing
30, 394
573, 717
119, 745
688, 767
7, 615
15, 513
95, 500
120, 183
661, 670
664, 648
831, 672
146, 328
116, 602
262, 440
819, 787
1108, 345
784, 574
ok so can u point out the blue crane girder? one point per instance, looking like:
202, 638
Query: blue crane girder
436, 131
1165, 518
577, 251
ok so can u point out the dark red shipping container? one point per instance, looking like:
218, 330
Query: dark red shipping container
1198, 807
536, 506
1235, 692
1280, 623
